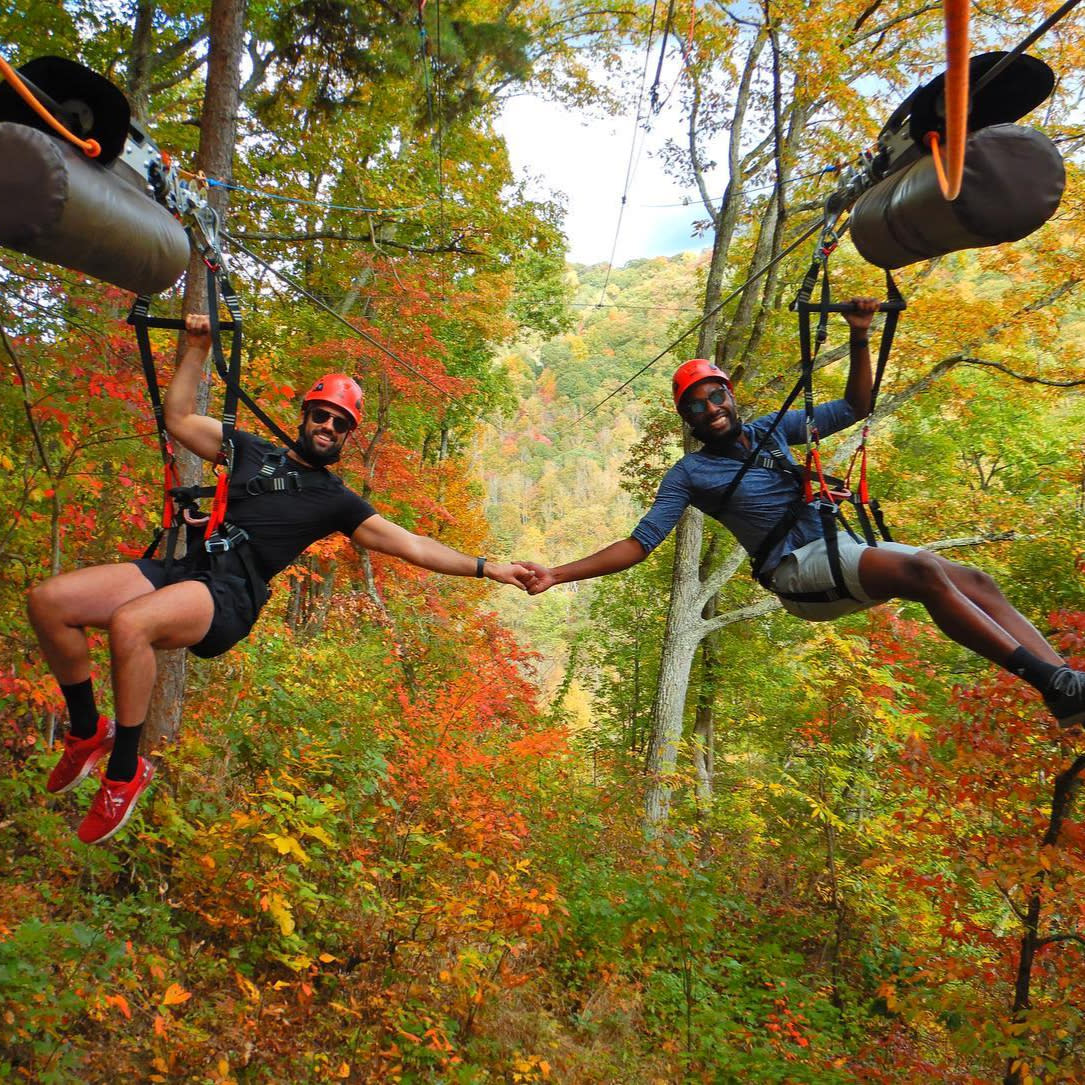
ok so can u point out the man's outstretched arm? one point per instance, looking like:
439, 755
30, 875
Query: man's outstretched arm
199, 433
376, 533
611, 559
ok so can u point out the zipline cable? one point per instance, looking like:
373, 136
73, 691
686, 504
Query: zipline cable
690, 201
629, 169
214, 182
360, 332
1017, 50
707, 316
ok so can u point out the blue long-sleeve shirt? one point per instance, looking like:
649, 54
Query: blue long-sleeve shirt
762, 497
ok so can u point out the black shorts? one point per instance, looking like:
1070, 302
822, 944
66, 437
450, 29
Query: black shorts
236, 609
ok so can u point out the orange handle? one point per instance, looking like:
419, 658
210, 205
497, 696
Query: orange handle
956, 97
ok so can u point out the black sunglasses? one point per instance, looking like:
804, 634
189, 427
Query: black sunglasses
339, 423
717, 397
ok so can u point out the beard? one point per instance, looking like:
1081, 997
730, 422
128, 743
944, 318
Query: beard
311, 454
718, 442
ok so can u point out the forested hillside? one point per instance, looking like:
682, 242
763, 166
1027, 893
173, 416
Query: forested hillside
641, 829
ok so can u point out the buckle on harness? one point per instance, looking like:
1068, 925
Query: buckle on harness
220, 543
262, 484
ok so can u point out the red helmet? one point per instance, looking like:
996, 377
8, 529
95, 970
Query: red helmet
340, 391
693, 372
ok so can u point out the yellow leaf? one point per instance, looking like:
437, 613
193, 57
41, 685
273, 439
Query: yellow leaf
344, 1070
320, 834
279, 907
175, 995
246, 986
286, 845
327, 958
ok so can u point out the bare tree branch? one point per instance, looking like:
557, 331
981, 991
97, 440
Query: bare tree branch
1061, 938
1014, 906
1024, 377
875, 31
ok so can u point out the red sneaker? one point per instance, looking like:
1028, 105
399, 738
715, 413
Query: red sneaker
80, 756
114, 803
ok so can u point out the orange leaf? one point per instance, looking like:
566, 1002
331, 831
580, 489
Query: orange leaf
175, 995
121, 1003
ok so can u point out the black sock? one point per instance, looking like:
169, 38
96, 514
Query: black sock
1034, 670
81, 708
124, 759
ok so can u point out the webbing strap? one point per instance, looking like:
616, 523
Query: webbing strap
809, 346
828, 513
230, 375
776, 535
869, 537
894, 304
751, 460
139, 318
224, 463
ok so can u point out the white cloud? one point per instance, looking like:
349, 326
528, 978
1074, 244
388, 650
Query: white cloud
587, 158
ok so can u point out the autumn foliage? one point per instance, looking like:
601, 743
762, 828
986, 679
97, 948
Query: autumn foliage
400, 837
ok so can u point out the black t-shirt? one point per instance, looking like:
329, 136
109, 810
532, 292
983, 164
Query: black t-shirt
281, 525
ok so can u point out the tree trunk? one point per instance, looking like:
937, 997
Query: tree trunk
685, 627
1067, 785
704, 725
680, 640
137, 87
218, 136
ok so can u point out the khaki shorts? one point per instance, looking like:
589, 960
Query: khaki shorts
807, 569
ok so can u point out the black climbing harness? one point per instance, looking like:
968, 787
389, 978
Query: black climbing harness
181, 508
827, 495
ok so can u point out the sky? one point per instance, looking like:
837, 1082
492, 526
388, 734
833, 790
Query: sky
587, 158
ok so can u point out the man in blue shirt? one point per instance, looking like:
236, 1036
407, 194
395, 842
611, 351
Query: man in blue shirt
965, 603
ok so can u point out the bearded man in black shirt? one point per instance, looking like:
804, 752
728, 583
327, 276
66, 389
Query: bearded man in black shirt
202, 602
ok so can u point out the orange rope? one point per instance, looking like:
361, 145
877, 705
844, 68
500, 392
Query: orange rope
956, 98
90, 147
